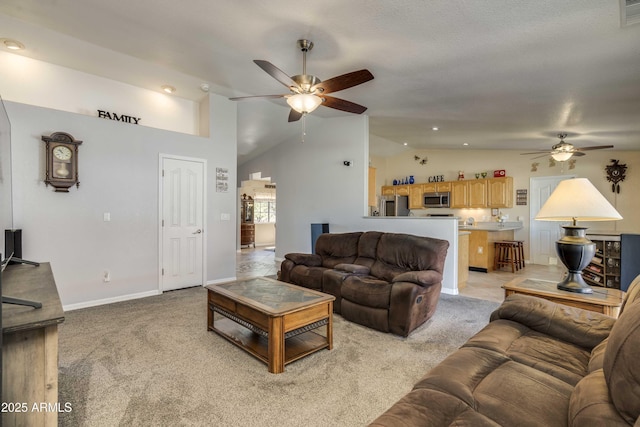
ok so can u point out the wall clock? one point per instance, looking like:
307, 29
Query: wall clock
615, 174
62, 161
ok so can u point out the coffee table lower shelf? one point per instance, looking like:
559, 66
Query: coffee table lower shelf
296, 347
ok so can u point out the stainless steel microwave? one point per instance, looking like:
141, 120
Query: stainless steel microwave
436, 200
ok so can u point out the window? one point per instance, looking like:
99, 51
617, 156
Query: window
264, 211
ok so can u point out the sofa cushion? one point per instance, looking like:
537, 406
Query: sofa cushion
309, 277
505, 391
367, 248
591, 405
376, 318
621, 365
366, 290
425, 407
398, 253
337, 248
597, 356
563, 360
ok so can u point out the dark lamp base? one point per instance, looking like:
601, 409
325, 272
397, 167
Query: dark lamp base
575, 283
576, 252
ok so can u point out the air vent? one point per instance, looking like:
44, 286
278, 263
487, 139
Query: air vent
629, 12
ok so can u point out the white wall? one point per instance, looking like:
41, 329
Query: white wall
33, 82
118, 173
313, 184
118, 168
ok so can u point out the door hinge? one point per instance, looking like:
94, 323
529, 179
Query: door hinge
163, 271
163, 222
163, 172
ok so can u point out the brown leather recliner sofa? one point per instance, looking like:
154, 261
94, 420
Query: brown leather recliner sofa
387, 281
537, 363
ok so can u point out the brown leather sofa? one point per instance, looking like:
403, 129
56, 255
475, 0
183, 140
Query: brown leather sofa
387, 281
537, 363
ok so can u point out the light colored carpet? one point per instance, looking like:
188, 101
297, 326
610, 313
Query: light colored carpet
152, 362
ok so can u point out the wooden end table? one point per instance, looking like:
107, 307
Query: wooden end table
603, 300
271, 320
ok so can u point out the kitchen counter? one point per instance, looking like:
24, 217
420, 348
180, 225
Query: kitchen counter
492, 226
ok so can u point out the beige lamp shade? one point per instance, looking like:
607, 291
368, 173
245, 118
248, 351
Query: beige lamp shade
577, 200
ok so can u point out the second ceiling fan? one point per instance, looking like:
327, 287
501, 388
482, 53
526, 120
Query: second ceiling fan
307, 92
563, 151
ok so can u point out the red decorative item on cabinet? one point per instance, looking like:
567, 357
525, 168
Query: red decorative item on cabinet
499, 173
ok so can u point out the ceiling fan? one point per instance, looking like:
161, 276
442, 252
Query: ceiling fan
307, 92
563, 151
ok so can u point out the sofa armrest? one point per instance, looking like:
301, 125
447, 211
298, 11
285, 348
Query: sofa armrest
353, 268
422, 278
310, 260
580, 327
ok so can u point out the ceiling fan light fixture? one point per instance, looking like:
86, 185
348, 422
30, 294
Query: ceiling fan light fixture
304, 103
562, 156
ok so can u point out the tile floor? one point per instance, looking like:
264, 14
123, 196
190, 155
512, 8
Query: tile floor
261, 262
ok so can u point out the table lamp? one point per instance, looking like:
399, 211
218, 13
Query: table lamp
576, 200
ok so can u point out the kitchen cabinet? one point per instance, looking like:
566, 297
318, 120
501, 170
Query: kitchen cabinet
463, 258
500, 192
478, 193
459, 194
481, 248
402, 190
388, 190
371, 193
416, 191
437, 187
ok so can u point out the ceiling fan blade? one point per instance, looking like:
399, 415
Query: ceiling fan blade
578, 154
294, 116
344, 81
535, 152
276, 73
598, 147
539, 157
341, 104
245, 98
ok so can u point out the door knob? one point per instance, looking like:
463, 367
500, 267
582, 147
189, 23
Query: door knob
198, 231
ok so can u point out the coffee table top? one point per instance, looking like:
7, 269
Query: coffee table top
601, 296
269, 295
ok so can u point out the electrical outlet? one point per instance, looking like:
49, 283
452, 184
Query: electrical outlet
107, 276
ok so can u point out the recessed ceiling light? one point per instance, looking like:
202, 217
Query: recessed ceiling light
405, 143
168, 89
12, 44
435, 128
465, 144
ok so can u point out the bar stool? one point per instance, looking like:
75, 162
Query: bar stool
508, 253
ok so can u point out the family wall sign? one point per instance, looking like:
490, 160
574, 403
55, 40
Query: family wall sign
118, 117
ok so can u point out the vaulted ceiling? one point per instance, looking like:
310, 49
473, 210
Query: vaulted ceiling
493, 74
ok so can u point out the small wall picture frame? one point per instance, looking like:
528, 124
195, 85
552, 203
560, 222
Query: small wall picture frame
521, 197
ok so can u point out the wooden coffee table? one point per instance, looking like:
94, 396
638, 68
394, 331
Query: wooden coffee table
272, 320
603, 300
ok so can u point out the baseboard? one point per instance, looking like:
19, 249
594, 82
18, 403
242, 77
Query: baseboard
104, 301
215, 282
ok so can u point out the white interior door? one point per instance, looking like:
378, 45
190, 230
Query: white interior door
182, 222
543, 234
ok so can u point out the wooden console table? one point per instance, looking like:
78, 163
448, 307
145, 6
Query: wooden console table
30, 346
603, 300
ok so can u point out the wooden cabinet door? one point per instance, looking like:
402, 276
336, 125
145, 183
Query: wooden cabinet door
402, 190
429, 187
459, 194
443, 187
478, 193
500, 192
415, 196
388, 190
371, 186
